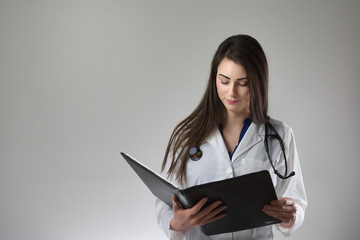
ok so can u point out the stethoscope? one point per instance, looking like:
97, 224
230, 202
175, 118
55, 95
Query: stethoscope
276, 136
195, 153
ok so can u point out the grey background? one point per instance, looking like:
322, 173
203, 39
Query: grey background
83, 80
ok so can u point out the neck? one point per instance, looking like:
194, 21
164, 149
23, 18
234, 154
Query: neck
234, 121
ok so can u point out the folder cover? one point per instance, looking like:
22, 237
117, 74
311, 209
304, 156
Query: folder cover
244, 197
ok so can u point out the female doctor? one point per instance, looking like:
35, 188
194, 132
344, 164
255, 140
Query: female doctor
224, 137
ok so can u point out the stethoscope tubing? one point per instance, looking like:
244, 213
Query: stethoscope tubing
266, 145
196, 153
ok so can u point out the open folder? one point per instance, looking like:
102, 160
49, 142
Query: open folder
244, 197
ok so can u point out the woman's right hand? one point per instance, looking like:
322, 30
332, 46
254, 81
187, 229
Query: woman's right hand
186, 219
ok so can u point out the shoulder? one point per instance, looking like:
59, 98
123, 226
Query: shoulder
281, 127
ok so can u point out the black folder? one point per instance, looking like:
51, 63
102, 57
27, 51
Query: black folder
244, 197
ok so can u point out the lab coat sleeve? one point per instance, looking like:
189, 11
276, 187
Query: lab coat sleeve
294, 186
164, 214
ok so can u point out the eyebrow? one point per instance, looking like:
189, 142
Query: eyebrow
229, 78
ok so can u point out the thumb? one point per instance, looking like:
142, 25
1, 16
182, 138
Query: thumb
175, 203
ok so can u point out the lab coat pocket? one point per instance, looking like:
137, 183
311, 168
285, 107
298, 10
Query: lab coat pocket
249, 164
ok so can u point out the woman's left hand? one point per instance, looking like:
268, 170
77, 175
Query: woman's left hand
283, 209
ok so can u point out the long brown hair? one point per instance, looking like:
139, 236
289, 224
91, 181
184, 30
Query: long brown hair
210, 112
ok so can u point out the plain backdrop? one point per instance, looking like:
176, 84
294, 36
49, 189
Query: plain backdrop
81, 81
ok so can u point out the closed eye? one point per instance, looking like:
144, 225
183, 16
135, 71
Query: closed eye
243, 82
225, 80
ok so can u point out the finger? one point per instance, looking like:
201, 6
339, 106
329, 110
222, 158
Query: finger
199, 205
213, 219
214, 214
283, 201
279, 216
208, 209
211, 216
286, 219
279, 212
285, 208
176, 204
283, 216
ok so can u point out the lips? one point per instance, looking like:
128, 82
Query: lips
232, 101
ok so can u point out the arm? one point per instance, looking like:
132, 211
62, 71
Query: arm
176, 221
283, 209
186, 219
164, 214
291, 207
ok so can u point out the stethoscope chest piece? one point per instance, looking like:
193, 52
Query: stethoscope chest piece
195, 153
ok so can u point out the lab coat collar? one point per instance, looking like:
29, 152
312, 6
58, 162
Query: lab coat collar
253, 136
217, 141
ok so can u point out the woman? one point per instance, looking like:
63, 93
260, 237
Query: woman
228, 127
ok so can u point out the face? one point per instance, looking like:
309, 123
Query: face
232, 88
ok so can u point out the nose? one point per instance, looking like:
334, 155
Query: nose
232, 89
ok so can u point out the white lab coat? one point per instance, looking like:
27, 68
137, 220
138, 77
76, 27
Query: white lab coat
250, 156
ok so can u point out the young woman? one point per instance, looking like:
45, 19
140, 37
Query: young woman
228, 128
